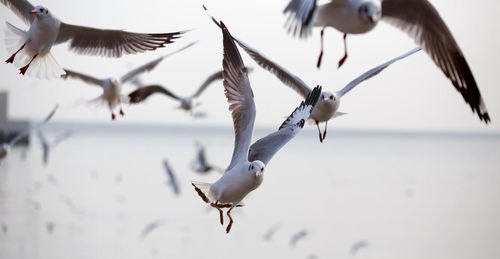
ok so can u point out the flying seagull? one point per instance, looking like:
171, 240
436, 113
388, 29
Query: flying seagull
152, 226
47, 146
201, 164
112, 87
172, 180
298, 236
32, 47
329, 102
357, 246
418, 18
4, 149
246, 170
187, 103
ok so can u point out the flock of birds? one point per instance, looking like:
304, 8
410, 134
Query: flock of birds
31, 53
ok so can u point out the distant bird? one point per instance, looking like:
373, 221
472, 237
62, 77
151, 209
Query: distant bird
151, 226
201, 165
187, 103
46, 146
328, 104
246, 170
4, 149
112, 87
298, 236
172, 180
270, 232
4, 228
358, 245
50, 227
33, 47
418, 18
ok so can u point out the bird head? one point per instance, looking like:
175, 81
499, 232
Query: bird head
370, 12
257, 168
40, 11
328, 97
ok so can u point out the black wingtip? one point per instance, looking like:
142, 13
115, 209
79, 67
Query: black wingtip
313, 96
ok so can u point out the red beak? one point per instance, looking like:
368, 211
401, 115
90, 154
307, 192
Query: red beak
33, 12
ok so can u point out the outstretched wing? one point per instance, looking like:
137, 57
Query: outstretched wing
423, 23
21, 8
239, 96
85, 78
300, 20
34, 127
111, 43
171, 176
143, 93
281, 73
150, 65
372, 72
265, 148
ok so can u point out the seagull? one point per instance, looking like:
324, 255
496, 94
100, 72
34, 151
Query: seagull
298, 236
171, 176
329, 102
32, 47
112, 86
201, 165
46, 146
358, 245
418, 18
188, 103
152, 226
270, 233
246, 170
4, 149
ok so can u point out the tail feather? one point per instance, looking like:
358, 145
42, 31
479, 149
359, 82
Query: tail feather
45, 67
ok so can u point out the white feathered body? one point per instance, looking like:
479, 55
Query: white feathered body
343, 16
325, 108
39, 39
112, 92
235, 184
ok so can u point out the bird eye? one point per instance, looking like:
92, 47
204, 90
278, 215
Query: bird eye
251, 167
42, 10
331, 97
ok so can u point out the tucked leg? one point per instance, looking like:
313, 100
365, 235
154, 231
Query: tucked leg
321, 52
23, 69
319, 132
326, 126
11, 59
230, 220
121, 110
342, 60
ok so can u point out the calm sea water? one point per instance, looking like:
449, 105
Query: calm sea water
406, 195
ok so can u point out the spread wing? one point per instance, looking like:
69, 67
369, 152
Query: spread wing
171, 176
111, 43
300, 20
21, 8
281, 73
150, 65
34, 127
143, 93
423, 23
85, 78
265, 148
239, 96
372, 72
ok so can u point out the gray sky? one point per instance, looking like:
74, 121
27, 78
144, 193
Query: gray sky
412, 94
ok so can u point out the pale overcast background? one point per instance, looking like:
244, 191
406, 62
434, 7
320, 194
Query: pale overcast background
412, 94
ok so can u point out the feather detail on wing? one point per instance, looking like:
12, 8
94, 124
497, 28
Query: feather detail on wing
372, 72
111, 43
239, 96
423, 23
265, 148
